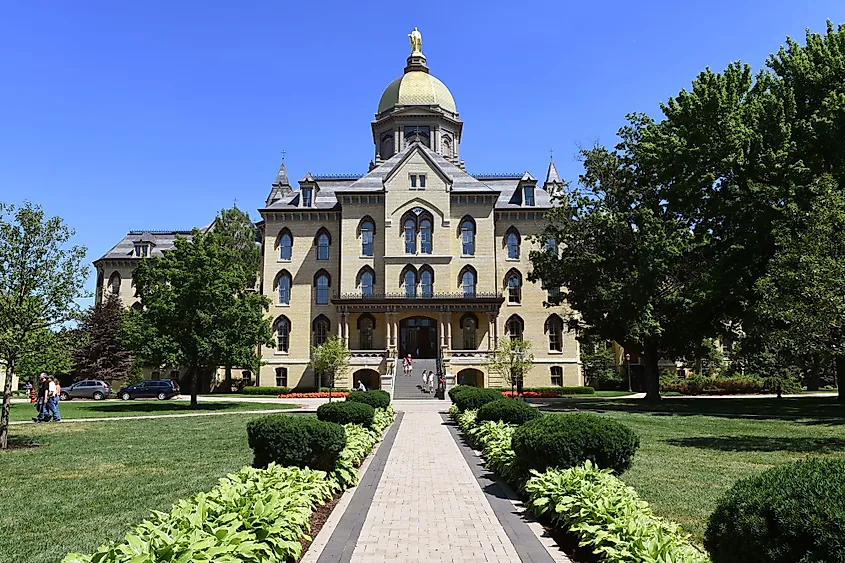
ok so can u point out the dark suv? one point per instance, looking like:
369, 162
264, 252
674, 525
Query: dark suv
159, 388
87, 389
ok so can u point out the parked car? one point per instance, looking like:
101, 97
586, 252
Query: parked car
159, 388
86, 389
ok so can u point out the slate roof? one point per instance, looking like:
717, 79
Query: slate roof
552, 177
160, 240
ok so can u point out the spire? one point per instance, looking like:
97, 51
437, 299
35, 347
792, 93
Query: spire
282, 175
281, 185
553, 181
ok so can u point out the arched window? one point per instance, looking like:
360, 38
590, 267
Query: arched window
512, 241
446, 146
513, 281
283, 285
281, 377
425, 235
114, 283
554, 327
468, 281
386, 146
285, 245
320, 327
515, 327
467, 236
366, 326
282, 329
322, 282
323, 243
368, 230
410, 227
426, 281
469, 328
409, 281
366, 280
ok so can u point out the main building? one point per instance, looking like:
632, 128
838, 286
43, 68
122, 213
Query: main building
415, 257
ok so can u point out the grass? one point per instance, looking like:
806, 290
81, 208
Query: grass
687, 461
87, 483
102, 409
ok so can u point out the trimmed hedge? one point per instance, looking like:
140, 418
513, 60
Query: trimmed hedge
347, 412
265, 390
473, 398
553, 391
568, 440
295, 441
791, 513
376, 398
510, 411
457, 389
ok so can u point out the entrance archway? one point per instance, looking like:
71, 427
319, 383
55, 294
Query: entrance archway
472, 377
370, 377
418, 337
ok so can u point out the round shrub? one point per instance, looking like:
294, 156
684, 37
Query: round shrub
473, 398
347, 412
458, 389
376, 398
301, 441
788, 514
510, 411
567, 440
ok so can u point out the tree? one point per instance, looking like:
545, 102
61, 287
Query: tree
198, 309
40, 279
511, 360
52, 354
103, 356
330, 360
598, 362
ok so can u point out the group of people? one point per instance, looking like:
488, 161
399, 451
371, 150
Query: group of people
429, 380
46, 398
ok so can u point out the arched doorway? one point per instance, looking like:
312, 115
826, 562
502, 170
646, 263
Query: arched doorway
370, 377
472, 377
418, 337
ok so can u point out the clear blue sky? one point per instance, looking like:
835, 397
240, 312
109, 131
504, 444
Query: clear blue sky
154, 115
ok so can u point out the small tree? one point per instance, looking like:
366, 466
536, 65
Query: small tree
330, 359
52, 354
40, 280
103, 355
510, 360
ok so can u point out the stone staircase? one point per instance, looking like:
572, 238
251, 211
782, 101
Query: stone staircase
411, 387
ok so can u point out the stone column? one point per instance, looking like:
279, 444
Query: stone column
340, 325
489, 331
396, 329
495, 330
449, 330
346, 331
388, 335
442, 327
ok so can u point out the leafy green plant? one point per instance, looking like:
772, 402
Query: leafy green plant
347, 412
265, 390
607, 516
473, 398
376, 398
295, 440
508, 410
794, 512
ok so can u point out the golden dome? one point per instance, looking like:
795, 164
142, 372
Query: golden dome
417, 88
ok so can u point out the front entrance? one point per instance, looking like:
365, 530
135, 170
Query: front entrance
418, 337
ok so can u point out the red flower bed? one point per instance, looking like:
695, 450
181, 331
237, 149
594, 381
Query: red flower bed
534, 394
313, 395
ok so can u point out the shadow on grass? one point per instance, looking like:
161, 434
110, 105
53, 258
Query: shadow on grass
22, 442
145, 407
761, 444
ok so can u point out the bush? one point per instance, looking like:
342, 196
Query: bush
295, 440
473, 398
567, 440
788, 385
376, 398
701, 385
792, 513
347, 412
265, 391
511, 411
545, 392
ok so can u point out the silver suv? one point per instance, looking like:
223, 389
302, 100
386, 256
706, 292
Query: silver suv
87, 389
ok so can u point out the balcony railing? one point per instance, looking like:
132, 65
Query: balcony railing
420, 296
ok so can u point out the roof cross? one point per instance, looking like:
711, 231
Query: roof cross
283, 156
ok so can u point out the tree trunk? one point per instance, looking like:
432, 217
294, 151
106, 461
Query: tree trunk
815, 379
227, 384
650, 358
840, 377
7, 405
194, 385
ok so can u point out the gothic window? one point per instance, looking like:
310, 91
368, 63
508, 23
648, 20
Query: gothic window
468, 281
514, 284
284, 283
285, 245
114, 283
515, 327
281, 377
446, 147
557, 376
512, 241
320, 326
307, 197
323, 243
282, 334
410, 236
417, 134
467, 236
528, 196
368, 230
554, 327
425, 235
469, 328
409, 281
366, 280
366, 326
426, 281
322, 282
386, 146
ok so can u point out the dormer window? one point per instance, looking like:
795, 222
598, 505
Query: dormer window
417, 181
528, 196
307, 197
142, 249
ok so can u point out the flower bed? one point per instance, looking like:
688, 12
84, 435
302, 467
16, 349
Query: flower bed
313, 395
252, 516
550, 392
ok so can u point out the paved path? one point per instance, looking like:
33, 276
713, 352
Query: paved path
428, 505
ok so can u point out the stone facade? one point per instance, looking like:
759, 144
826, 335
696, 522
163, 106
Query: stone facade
416, 256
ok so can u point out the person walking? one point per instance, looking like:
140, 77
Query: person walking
43, 398
424, 378
54, 400
407, 365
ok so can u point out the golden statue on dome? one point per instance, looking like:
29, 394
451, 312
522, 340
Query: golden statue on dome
416, 41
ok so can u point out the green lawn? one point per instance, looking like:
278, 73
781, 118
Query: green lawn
86, 483
100, 409
686, 461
